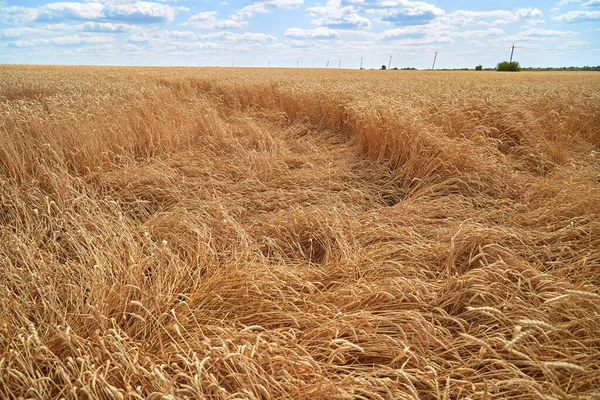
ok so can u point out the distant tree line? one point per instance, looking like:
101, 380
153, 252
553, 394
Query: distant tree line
505, 66
584, 68
383, 68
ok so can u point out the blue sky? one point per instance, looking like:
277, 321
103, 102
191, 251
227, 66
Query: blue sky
309, 33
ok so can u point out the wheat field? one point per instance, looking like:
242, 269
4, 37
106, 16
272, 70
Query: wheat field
172, 233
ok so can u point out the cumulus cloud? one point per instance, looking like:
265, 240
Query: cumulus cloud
346, 21
536, 32
525, 13
398, 12
480, 33
591, 3
12, 33
106, 27
499, 17
565, 2
246, 36
203, 16
62, 11
138, 12
334, 15
64, 27
209, 20
412, 15
431, 33
537, 36
16, 14
406, 4
181, 34
321, 33
263, 6
579, 16
282, 3
230, 24
71, 40
131, 48
249, 11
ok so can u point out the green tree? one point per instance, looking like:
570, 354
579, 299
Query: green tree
479, 68
509, 66
383, 67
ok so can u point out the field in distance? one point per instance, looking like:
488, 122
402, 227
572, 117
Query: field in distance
269, 233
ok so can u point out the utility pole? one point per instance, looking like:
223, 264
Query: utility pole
434, 58
390, 63
361, 63
512, 51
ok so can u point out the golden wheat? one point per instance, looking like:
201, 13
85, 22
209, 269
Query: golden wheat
246, 233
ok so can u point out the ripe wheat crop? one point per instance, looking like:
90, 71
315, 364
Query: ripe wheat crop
254, 234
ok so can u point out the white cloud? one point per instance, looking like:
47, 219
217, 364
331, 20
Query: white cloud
203, 16
411, 13
140, 12
107, 27
17, 14
256, 37
477, 43
282, 3
232, 37
591, 3
500, 17
431, 33
64, 27
262, 7
346, 21
65, 40
565, 2
181, 34
98, 39
416, 6
174, 41
71, 40
479, 33
62, 11
132, 48
230, 24
535, 21
524, 13
13, 33
579, 16
317, 33
406, 16
208, 20
536, 32
333, 15
249, 11
576, 43
142, 37
346, 14
537, 35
